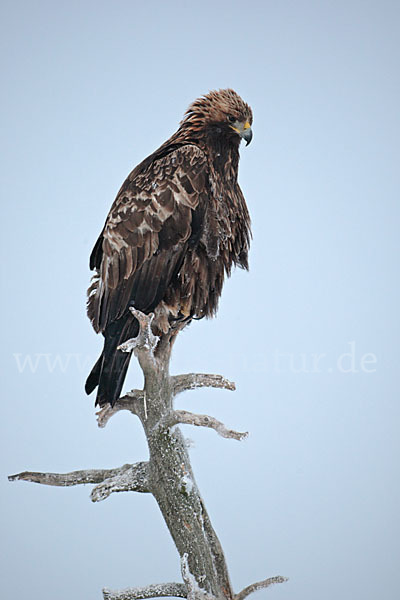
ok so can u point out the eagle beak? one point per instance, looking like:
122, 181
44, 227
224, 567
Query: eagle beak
247, 133
244, 130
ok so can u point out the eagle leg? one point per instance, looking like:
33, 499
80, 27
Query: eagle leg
145, 339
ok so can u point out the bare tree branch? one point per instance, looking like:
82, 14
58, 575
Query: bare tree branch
132, 401
68, 479
133, 479
128, 477
168, 474
260, 585
192, 381
188, 418
157, 590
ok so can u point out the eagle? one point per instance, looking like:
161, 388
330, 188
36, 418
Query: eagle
178, 225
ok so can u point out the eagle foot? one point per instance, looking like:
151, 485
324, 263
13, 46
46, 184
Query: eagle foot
145, 340
104, 414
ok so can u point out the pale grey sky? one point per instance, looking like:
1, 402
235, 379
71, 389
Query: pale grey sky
310, 335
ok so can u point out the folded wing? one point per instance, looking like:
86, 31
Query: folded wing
157, 213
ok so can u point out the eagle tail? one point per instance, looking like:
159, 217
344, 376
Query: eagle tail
109, 372
94, 376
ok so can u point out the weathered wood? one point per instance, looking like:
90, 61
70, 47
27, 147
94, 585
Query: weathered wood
156, 590
167, 475
259, 585
192, 381
85, 476
171, 478
187, 418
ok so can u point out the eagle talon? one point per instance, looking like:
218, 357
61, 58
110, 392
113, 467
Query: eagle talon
145, 339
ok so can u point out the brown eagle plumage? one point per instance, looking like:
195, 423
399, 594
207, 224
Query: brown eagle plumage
177, 226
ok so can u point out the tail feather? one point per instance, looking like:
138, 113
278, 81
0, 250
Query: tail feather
109, 372
94, 376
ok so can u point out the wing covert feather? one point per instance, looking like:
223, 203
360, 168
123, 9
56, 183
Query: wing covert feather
146, 234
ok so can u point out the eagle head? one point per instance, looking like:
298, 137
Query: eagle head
220, 112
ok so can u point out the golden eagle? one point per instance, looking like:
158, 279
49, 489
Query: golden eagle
176, 227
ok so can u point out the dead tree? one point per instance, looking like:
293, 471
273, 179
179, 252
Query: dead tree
167, 474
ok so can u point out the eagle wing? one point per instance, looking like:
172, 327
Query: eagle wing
156, 214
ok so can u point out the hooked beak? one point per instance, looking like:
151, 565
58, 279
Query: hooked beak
244, 130
247, 133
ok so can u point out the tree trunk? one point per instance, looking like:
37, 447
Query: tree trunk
168, 473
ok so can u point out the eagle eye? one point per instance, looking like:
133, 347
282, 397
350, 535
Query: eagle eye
231, 118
